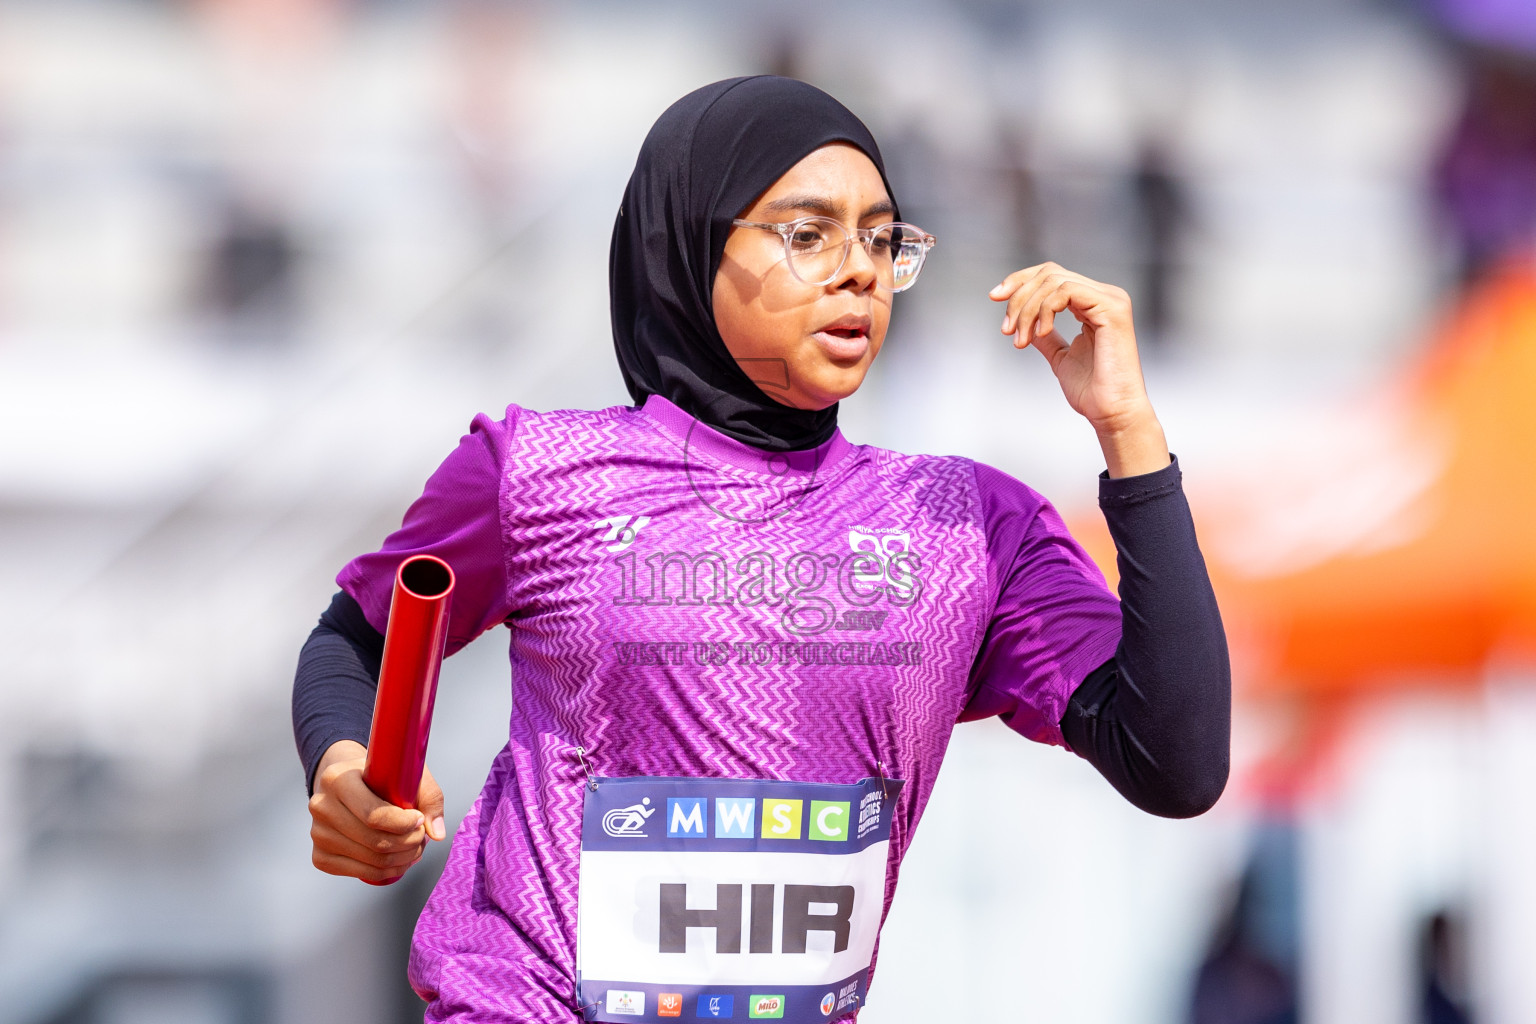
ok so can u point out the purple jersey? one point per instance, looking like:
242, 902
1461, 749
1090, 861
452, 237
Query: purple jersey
684, 605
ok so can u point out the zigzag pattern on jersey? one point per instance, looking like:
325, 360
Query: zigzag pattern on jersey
511, 885
560, 462
764, 707
945, 500
492, 989
754, 711
947, 504
534, 817
463, 913
936, 499
742, 496
748, 717
452, 965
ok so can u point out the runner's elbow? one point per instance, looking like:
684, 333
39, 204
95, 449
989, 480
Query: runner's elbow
1191, 794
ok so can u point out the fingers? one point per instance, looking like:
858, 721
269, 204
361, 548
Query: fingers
1013, 281
429, 798
329, 841
1020, 278
1050, 345
379, 815
1035, 295
1022, 290
1037, 313
1032, 309
334, 864
357, 834
327, 810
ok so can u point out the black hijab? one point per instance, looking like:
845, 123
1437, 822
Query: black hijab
705, 160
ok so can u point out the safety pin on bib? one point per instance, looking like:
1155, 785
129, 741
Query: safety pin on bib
880, 767
581, 755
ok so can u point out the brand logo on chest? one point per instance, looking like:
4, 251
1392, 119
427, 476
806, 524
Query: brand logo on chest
619, 532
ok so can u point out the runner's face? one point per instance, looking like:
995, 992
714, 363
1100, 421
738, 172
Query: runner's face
822, 338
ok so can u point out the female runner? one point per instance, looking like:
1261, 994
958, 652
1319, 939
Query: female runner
739, 641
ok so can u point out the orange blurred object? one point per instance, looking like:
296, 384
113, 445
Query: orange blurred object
1462, 589
1453, 586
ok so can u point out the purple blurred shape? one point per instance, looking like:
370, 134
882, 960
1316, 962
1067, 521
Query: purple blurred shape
1508, 24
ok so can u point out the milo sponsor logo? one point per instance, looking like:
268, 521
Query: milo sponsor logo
764, 1007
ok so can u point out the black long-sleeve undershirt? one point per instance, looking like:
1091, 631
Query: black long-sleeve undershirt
1155, 719
336, 681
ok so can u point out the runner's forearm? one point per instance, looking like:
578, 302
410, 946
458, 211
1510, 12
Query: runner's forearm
334, 686
1155, 719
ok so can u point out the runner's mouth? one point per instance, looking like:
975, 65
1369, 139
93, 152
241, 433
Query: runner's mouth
842, 344
846, 339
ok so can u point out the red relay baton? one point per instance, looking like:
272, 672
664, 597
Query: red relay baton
414, 642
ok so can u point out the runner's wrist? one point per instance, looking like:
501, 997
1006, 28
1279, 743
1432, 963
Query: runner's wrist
341, 750
1135, 447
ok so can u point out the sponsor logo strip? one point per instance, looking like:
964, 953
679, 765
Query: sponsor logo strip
794, 1004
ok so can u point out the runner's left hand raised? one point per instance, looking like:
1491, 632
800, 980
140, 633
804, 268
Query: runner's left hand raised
1099, 370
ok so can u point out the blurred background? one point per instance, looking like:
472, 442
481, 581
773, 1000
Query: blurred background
262, 260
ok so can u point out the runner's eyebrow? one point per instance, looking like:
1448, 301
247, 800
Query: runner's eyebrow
826, 207
814, 204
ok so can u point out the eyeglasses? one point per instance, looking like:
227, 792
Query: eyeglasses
817, 247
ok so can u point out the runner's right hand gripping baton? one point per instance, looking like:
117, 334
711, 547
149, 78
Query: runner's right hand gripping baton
413, 655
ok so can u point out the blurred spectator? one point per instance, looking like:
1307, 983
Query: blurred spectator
251, 279
1024, 198
1163, 213
1249, 974
1442, 968
1486, 177
489, 106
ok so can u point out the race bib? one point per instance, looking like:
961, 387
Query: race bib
724, 899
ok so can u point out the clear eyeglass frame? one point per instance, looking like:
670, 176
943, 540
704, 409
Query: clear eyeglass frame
915, 241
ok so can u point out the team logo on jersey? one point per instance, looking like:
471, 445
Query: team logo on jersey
882, 542
887, 560
628, 822
620, 531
